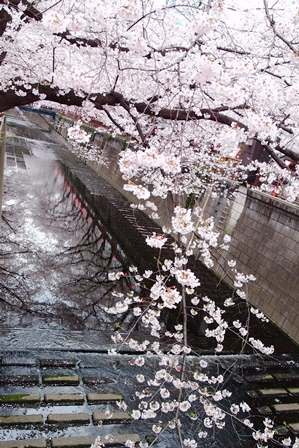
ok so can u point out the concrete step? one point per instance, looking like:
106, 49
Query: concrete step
263, 378
23, 398
84, 442
286, 408
287, 377
52, 362
71, 380
16, 420
71, 442
77, 398
28, 443
64, 419
117, 417
294, 428
20, 398
102, 397
273, 392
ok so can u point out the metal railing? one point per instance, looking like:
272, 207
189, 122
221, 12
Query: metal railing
2, 159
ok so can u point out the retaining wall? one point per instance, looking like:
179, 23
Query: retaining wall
265, 243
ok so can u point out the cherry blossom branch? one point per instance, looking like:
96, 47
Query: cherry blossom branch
161, 9
183, 371
126, 106
29, 13
276, 33
5, 17
10, 99
113, 120
275, 157
234, 50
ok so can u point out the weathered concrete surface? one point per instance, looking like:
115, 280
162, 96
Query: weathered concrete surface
64, 398
101, 398
111, 416
265, 243
20, 398
82, 442
65, 420
81, 418
71, 380
21, 420
28, 443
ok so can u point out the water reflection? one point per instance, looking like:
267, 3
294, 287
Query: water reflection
89, 255
66, 253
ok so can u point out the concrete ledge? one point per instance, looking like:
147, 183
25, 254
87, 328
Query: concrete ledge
58, 362
99, 398
20, 398
21, 420
30, 379
273, 392
274, 201
68, 418
29, 443
72, 380
64, 398
111, 417
286, 408
294, 427
84, 442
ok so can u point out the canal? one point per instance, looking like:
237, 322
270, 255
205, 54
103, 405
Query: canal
66, 235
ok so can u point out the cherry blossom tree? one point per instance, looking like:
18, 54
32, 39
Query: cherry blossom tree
187, 82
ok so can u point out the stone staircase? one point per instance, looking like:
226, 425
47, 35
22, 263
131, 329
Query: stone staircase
274, 393
66, 399
61, 399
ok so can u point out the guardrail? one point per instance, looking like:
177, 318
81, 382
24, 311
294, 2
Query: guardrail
2, 159
40, 111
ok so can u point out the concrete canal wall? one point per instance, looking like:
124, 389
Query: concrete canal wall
264, 239
265, 242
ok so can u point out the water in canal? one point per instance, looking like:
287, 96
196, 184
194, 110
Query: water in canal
58, 254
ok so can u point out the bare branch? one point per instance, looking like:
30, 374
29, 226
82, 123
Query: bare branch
113, 120
277, 34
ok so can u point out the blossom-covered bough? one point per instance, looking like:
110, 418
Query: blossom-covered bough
188, 83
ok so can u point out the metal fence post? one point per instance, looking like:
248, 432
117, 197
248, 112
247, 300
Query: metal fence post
2, 160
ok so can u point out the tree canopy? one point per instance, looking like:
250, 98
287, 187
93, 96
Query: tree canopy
188, 82
224, 71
